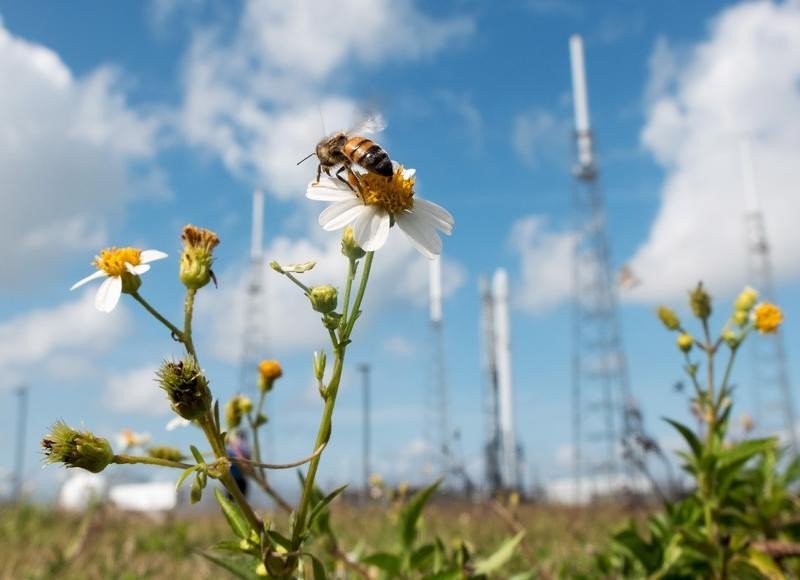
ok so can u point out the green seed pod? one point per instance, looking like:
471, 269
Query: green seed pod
63, 444
186, 387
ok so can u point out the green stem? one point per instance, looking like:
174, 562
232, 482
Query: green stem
294, 279
212, 434
323, 435
174, 329
359, 297
727, 375
254, 428
351, 274
134, 459
187, 322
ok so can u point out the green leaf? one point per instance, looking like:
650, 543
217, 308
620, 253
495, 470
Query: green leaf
764, 564
412, 512
387, 562
744, 451
236, 519
447, 575
421, 556
281, 540
688, 434
239, 567
197, 491
523, 576
322, 504
197, 455
502, 555
228, 545
186, 473
317, 566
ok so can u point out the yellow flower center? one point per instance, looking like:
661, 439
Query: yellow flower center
768, 318
112, 260
394, 194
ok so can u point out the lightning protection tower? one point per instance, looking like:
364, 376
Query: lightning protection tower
254, 335
774, 405
442, 455
600, 388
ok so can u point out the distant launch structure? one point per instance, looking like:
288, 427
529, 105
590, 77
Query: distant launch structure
502, 452
774, 404
254, 335
443, 455
600, 385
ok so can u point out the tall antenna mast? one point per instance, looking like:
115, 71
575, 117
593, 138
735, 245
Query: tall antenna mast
509, 453
600, 387
439, 372
254, 336
494, 479
774, 405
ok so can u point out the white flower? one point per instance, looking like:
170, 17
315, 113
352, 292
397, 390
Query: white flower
128, 439
380, 204
114, 264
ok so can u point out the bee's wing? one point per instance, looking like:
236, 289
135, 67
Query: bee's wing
373, 123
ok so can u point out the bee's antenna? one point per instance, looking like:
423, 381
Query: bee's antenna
306, 157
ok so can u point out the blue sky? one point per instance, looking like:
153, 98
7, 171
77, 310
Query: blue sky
124, 121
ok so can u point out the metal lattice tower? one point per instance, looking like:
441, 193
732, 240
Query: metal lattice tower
494, 479
600, 387
442, 453
772, 392
254, 334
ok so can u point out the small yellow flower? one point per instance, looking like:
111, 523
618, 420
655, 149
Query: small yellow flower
746, 300
767, 318
668, 318
268, 372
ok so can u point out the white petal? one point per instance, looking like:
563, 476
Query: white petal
328, 190
444, 221
421, 233
89, 278
408, 173
140, 269
371, 228
148, 256
341, 213
108, 294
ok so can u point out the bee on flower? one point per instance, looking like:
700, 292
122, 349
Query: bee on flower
121, 268
377, 204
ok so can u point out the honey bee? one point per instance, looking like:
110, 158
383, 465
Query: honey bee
348, 148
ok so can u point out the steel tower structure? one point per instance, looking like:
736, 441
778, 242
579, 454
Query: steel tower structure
600, 385
494, 478
442, 452
254, 335
772, 392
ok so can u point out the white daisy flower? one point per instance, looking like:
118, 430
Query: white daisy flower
127, 439
116, 264
380, 204
177, 422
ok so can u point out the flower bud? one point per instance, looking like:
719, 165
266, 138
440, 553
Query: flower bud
741, 317
668, 318
732, 338
350, 247
746, 300
320, 358
685, 342
186, 387
166, 452
332, 320
700, 301
63, 444
235, 409
268, 372
196, 259
261, 419
130, 282
767, 318
323, 298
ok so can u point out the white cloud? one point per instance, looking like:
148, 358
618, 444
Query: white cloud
744, 81
136, 391
399, 275
399, 345
545, 264
255, 101
66, 145
57, 344
540, 136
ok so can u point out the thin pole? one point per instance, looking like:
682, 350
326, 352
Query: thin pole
22, 420
365, 450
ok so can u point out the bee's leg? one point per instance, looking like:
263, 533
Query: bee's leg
319, 172
347, 181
